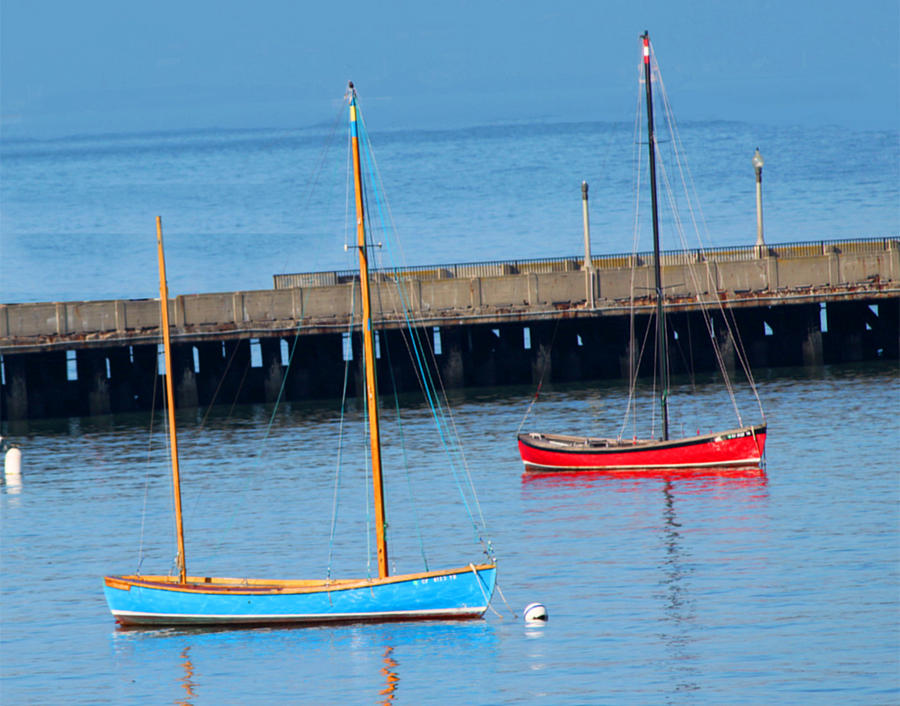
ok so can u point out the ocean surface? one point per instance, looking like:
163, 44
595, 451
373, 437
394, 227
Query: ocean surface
775, 588
77, 214
780, 587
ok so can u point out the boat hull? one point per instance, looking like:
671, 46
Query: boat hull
735, 447
158, 600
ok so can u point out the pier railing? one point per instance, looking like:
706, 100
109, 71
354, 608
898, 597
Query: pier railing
498, 268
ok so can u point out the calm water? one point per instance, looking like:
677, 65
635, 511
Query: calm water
712, 590
782, 588
77, 214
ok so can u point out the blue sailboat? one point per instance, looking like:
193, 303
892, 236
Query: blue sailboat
185, 599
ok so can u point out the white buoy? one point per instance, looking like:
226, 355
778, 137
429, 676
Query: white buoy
12, 462
535, 613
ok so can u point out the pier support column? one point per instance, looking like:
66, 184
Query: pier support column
184, 377
93, 381
567, 353
813, 352
145, 379
753, 333
16, 387
888, 330
273, 372
301, 368
483, 343
319, 363
628, 360
725, 344
450, 361
232, 389
541, 353
36, 385
212, 371
122, 394
513, 362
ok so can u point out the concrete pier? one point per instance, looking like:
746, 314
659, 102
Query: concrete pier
800, 305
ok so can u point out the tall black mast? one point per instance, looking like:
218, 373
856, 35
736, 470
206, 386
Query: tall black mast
661, 353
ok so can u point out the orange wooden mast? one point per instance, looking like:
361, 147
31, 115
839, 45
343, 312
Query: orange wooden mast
368, 346
170, 399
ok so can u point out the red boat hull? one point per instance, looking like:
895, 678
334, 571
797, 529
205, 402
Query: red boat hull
735, 447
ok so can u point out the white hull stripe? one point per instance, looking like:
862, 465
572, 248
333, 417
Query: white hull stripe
199, 617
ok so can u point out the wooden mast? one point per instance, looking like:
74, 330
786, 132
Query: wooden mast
170, 398
368, 346
661, 353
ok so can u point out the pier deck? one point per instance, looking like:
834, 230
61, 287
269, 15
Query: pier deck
493, 323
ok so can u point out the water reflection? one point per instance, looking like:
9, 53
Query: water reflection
678, 609
755, 474
187, 681
362, 659
389, 692
657, 525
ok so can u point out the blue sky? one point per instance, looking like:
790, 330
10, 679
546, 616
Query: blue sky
98, 66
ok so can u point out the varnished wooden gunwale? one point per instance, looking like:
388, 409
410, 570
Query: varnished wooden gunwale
236, 586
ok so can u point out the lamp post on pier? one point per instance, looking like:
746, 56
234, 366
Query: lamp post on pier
588, 265
757, 166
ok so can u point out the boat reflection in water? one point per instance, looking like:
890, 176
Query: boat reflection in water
389, 692
187, 681
756, 474
667, 527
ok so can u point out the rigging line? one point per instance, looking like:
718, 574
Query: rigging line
441, 414
383, 343
437, 411
340, 454
741, 355
313, 182
683, 167
633, 365
364, 195
514, 614
640, 356
546, 365
240, 386
425, 374
409, 489
679, 228
284, 377
368, 484
149, 458
487, 598
349, 173
219, 386
531, 404
411, 338
168, 436
692, 198
378, 184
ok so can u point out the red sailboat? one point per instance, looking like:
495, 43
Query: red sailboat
743, 446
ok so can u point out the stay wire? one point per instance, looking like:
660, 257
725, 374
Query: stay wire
338, 467
149, 460
544, 368
438, 413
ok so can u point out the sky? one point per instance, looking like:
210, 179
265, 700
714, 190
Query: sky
101, 66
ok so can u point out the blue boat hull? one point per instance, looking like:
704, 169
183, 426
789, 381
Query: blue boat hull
156, 600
